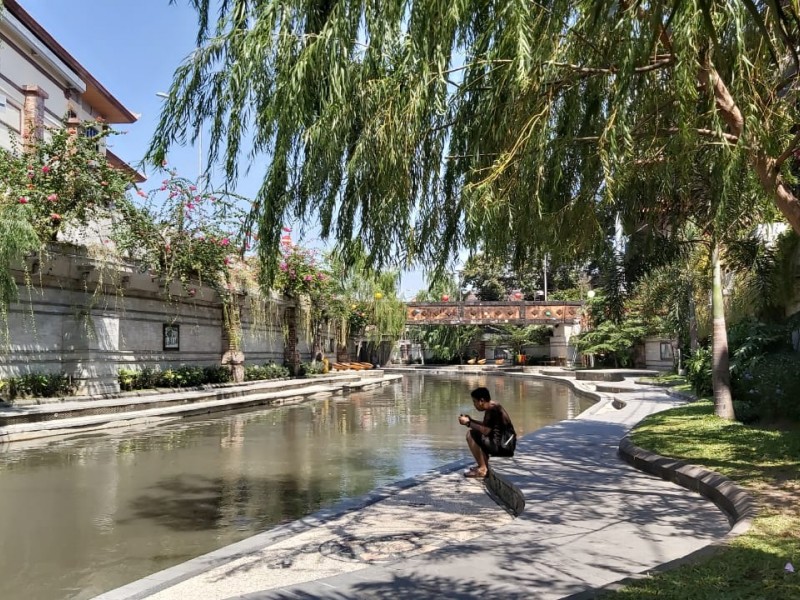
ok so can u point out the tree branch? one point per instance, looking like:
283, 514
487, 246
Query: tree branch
653, 66
788, 152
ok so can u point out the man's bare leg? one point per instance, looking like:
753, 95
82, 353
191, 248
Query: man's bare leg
480, 456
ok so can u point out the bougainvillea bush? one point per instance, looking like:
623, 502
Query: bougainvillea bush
48, 185
182, 233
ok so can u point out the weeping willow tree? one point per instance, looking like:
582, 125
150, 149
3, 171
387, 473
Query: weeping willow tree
418, 127
373, 311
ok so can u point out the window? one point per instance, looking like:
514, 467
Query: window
666, 351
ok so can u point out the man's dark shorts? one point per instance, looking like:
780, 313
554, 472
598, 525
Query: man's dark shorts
485, 442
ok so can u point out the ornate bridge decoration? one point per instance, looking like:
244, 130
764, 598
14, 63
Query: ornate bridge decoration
492, 313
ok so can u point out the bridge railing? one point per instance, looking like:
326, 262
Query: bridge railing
492, 313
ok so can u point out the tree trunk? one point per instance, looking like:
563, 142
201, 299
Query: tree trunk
290, 354
693, 344
720, 367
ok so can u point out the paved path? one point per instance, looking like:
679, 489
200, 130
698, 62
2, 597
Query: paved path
589, 520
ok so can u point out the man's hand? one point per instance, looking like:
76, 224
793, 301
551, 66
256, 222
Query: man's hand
464, 419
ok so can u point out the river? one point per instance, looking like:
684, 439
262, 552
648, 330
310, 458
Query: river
83, 515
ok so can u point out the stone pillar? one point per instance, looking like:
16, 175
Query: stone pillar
33, 114
90, 348
232, 354
560, 349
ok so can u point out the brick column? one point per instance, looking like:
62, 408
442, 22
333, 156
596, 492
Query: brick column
33, 114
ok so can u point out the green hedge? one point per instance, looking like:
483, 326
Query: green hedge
37, 385
769, 390
268, 371
183, 376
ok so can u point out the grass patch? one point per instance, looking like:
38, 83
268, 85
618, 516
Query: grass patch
767, 462
665, 379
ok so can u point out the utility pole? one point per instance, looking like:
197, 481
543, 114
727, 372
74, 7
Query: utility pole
545, 277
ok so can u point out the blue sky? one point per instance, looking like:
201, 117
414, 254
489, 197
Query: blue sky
133, 48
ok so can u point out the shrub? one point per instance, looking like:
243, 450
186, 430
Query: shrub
268, 371
312, 368
217, 374
769, 390
183, 376
38, 385
698, 371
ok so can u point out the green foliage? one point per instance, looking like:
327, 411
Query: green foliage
698, 371
764, 371
301, 274
62, 181
769, 390
446, 342
518, 337
37, 385
183, 376
311, 368
529, 126
612, 341
182, 233
268, 371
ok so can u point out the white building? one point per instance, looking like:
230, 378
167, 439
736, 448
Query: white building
41, 85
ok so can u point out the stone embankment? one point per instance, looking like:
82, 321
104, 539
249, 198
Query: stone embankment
31, 421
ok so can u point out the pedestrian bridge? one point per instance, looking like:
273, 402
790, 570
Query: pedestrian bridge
493, 313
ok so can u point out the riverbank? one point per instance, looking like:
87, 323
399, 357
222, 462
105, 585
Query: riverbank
588, 520
68, 417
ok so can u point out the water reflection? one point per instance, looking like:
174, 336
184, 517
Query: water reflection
84, 515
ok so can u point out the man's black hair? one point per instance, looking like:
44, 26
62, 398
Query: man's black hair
481, 393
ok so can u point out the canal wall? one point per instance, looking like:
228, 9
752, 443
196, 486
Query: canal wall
87, 317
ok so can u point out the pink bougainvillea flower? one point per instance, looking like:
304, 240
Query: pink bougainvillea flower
224, 242
283, 267
287, 229
308, 277
321, 276
162, 188
142, 194
189, 206
45, 169
53, 197
55, 216
192, 188
226, 260
23, 200
167, 247
164, 163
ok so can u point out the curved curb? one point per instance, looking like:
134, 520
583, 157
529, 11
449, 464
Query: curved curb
730, 498
733, 500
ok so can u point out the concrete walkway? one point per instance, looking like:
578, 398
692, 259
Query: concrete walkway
589, 520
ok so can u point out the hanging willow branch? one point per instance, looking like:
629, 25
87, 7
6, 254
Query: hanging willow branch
411, 128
